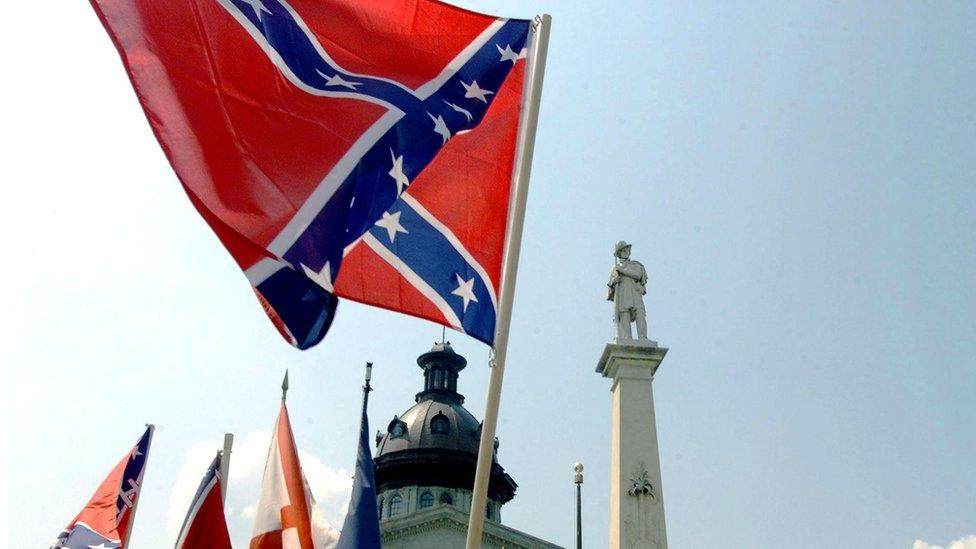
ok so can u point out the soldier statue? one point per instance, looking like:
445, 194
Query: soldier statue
626, 289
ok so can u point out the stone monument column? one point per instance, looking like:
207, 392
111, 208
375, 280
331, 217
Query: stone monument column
636, 498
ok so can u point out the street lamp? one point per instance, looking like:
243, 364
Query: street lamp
578, 479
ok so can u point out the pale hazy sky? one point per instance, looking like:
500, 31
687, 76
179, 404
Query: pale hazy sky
800, 182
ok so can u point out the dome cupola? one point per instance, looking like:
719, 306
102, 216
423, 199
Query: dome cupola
441, 366
431, 449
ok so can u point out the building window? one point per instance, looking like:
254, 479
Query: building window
440, 424
426, 500
395, 503
446, 498
397, 428
379, 507
488, 511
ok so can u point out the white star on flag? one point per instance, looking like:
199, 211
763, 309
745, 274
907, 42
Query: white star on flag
467, 114
465, 291
509, 55
323, 278
99, 546
474, 91
134, 453
396, 172
392, 225
440, 126
337, 80
258, 6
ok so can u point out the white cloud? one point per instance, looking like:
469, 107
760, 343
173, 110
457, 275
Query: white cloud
198, 458
968, 542
330, 487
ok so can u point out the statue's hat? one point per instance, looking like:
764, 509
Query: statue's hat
620, 246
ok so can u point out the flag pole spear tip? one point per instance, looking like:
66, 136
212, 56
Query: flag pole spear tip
284, 386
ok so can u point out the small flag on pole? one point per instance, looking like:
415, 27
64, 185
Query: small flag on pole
361, 528
375, 136
106, 522
286, 514
205, 526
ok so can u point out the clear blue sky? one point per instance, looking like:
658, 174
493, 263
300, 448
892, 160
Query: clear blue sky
800, 182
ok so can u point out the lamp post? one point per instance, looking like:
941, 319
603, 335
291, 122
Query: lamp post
578, 479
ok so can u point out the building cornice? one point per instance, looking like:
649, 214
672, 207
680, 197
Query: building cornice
446, 517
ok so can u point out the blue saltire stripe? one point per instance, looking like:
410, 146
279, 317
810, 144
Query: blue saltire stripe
132, 474
302, 305
429, 254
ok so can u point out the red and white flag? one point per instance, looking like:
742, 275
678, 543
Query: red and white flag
205, 526
287, 516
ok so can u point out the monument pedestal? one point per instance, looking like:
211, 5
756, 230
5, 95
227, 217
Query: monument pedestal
636, 499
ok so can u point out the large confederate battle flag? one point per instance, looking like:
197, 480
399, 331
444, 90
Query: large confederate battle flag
373, 135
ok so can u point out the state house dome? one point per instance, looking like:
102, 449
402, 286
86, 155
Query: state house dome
434, 443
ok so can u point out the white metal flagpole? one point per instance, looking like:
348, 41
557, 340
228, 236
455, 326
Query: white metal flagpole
532, 92
225, 466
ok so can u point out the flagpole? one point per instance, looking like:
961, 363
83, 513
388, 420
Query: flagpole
135, 505
366, 387
225, 466
361, 527
535, 69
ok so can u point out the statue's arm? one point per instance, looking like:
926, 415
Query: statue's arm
632, 270
612, 284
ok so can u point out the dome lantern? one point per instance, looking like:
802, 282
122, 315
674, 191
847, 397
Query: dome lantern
441, 366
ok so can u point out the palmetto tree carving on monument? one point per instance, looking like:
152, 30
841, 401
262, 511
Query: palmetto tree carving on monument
639, 531
641, 484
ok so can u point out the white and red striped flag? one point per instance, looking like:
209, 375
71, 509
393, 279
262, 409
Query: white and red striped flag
287, 516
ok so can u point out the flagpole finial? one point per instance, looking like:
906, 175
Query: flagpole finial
284, 386
225, 465
369, 375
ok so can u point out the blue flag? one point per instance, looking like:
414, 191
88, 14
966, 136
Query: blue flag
361, 529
